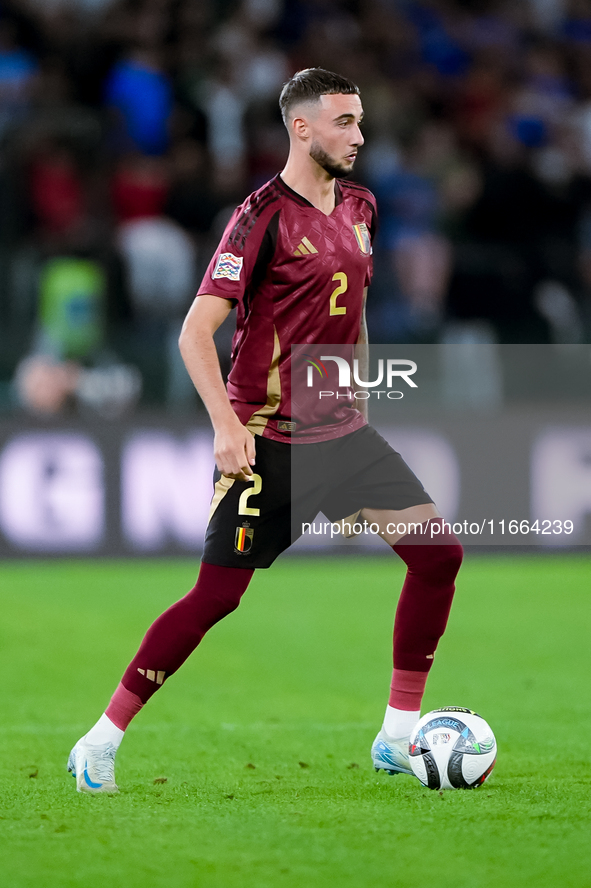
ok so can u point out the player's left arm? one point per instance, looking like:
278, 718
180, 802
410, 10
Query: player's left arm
362, 355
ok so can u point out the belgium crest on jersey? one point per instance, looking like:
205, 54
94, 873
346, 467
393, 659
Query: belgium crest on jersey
362, 237
243, 539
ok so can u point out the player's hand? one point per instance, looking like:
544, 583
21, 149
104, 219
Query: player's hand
234, 451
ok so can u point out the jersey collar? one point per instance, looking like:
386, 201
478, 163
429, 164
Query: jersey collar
338, 193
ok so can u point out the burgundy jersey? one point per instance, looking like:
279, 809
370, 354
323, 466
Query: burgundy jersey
297, 276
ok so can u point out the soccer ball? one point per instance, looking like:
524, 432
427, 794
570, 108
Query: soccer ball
452, 748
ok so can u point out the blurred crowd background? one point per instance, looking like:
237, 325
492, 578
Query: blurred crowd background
130, 129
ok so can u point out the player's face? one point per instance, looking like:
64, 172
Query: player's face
336, 136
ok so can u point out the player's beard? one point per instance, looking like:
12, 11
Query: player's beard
328, 163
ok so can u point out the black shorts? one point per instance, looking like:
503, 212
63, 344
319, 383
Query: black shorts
252, 522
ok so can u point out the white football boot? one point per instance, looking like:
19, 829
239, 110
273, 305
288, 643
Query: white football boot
93, 767
390, 755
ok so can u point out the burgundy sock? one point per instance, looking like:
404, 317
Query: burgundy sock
407, 689
425, 602
175, 635
123, 707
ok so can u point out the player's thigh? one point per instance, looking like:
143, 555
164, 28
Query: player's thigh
395, 524
373, 476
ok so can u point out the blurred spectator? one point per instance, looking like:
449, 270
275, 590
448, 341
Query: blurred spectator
412, 194
479, 102
18, 70
57, 191
518, 235
548, 15
225, 107
160, 262
69, 360
440, 46
72, 308
192, 201
139, 188
140, 93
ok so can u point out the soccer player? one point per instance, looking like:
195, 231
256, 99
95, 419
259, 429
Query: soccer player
295, 262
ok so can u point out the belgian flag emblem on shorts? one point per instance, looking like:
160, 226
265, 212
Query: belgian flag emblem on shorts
243, 540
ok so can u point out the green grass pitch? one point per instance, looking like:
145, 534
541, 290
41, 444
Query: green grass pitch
251, 767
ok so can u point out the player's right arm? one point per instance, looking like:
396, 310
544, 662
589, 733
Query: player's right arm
233, 448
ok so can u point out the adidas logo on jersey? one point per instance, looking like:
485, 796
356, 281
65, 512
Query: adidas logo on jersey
304, 248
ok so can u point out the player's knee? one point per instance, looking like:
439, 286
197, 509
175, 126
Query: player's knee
438, 563
454, 557
203, 607
445, 560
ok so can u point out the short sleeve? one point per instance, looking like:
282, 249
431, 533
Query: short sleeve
237, 260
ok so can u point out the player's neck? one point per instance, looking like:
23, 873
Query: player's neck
312, 182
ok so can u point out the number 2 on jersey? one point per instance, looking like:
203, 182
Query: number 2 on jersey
335, 309
243, 507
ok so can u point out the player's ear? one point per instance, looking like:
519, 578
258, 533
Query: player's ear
300, 128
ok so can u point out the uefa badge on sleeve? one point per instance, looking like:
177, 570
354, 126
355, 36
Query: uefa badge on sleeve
228, 266
243, 539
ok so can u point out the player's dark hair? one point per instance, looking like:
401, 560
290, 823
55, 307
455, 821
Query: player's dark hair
310, 84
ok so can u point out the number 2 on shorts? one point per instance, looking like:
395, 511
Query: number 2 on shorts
243, 507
